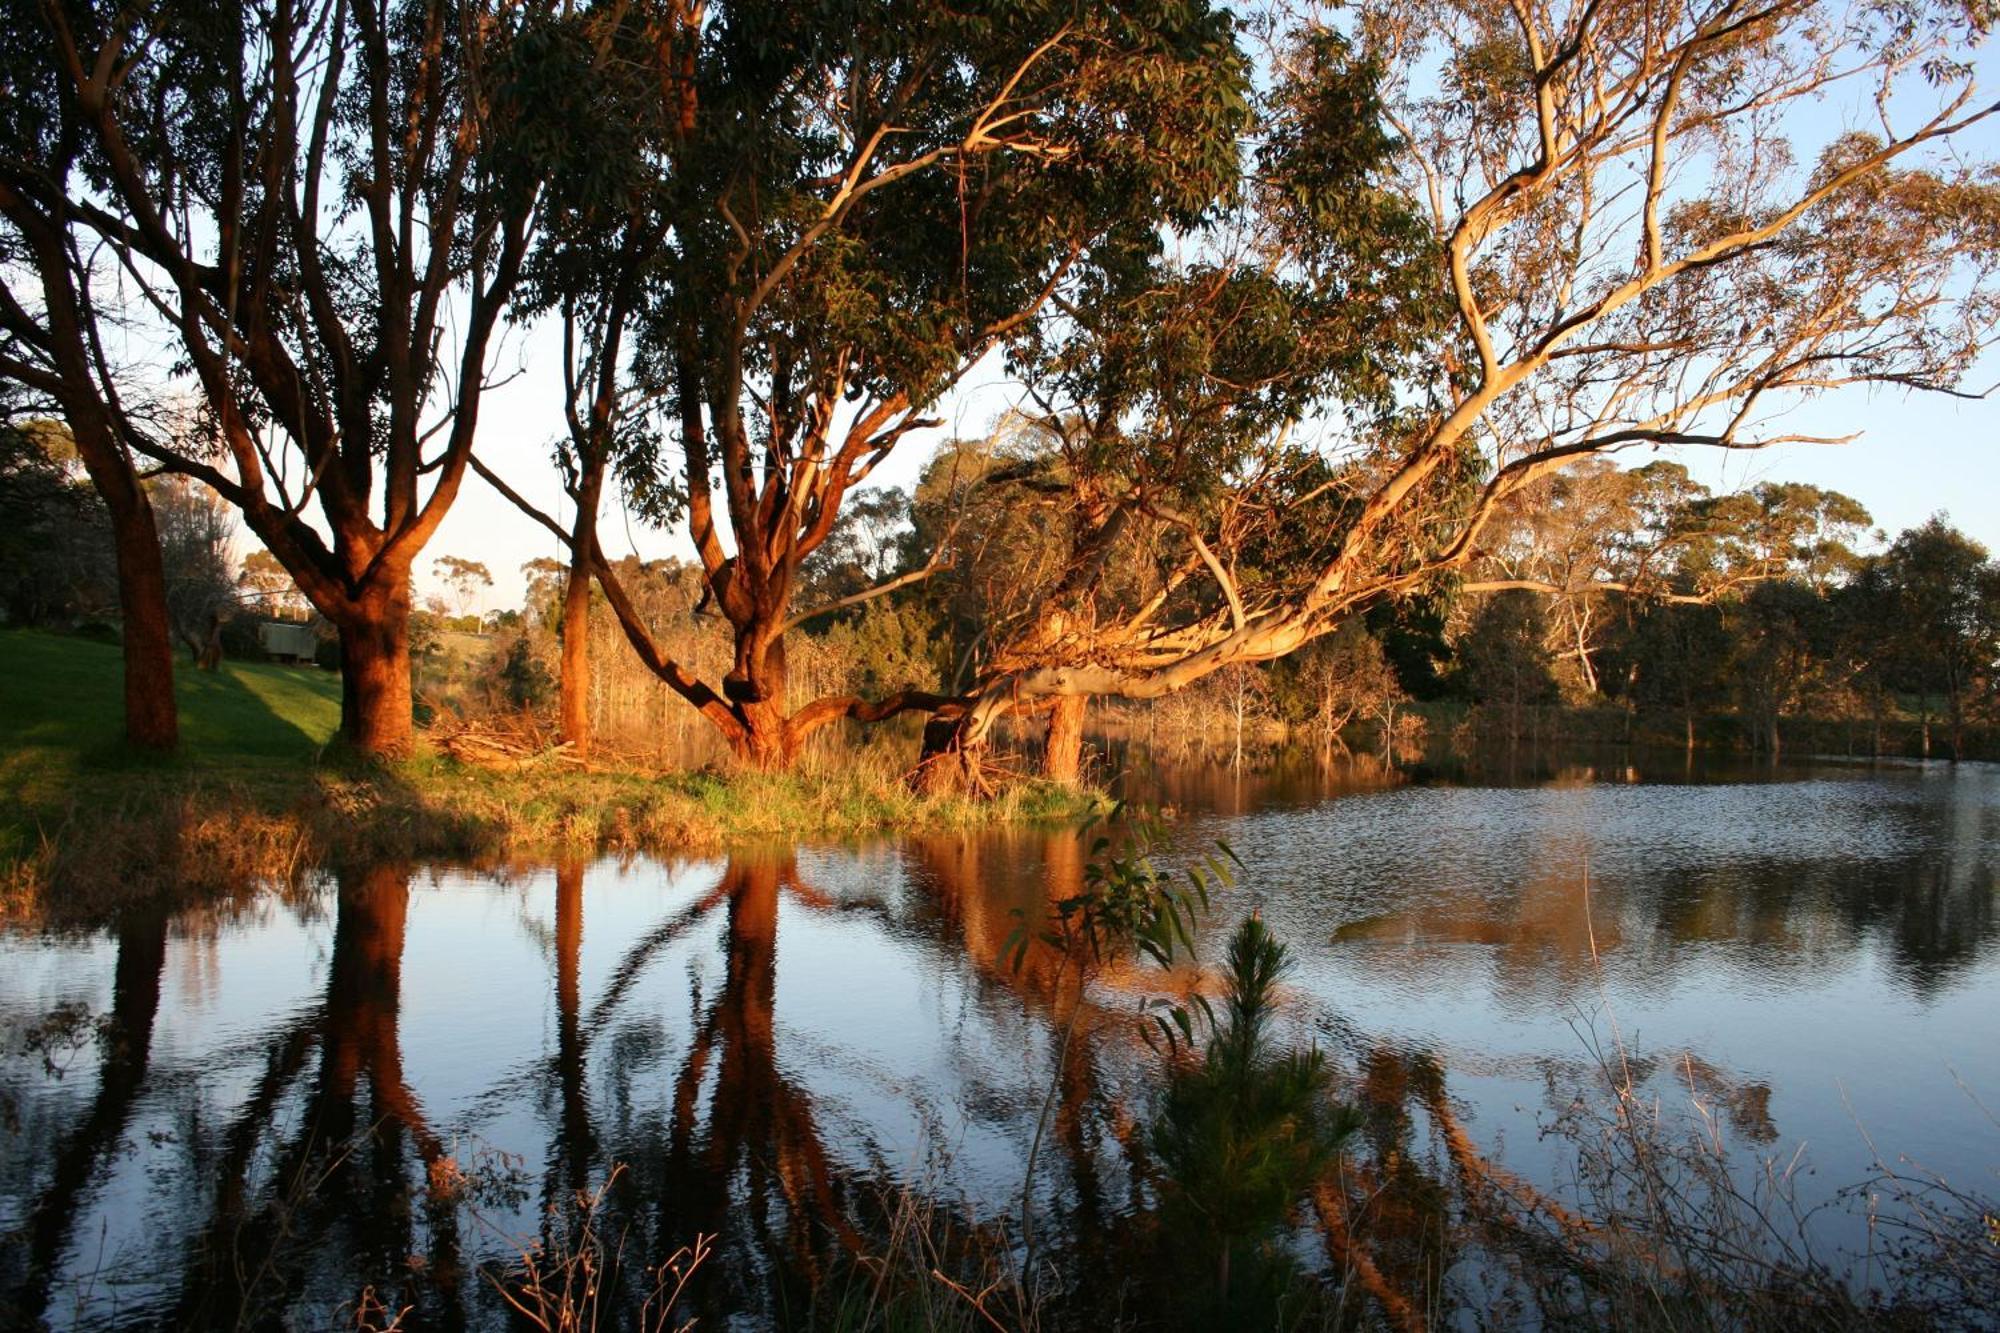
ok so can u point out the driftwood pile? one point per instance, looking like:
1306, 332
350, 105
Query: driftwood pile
509, 744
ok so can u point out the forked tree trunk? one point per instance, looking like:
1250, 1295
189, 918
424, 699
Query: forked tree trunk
768, 742
1583, 658
756, 689
376, 714
1062, 761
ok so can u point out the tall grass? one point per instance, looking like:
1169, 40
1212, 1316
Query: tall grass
566, 1282
927, 1269
186, 840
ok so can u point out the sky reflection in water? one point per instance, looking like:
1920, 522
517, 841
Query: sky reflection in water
765, 1039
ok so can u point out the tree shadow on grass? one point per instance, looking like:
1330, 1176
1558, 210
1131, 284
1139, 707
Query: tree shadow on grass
253, 713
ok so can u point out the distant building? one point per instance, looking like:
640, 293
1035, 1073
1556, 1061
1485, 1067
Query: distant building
284, 642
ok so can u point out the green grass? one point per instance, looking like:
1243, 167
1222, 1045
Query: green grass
255, 795
60, 715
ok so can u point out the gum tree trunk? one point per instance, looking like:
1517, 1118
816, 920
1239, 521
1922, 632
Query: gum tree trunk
951, 758
765, 738
575, 685
575, 701
1063, 757
767, 742
151, 720
376, 706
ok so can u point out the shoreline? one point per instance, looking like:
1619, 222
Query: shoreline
178, 835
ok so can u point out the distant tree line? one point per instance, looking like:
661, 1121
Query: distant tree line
1311, 320
1763, 611
1599, 587
1607, 604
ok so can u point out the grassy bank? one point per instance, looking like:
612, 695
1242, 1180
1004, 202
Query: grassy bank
256, 795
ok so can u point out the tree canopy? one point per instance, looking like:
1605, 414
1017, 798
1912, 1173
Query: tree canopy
1300, 320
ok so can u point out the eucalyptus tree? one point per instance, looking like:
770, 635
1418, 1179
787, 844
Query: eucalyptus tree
51, 354
196, 531
1565, 537
1595, 535
1642, 236
866, 199
1164, 398
263, 582
1153, 442
467, 580
1335, 680
1503, 655
320, 212
987, 510
1778, 639
1782, 529
1942, 623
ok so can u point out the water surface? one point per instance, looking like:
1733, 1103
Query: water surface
399, 1074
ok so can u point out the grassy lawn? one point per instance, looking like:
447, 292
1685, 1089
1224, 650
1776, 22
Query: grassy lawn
61, 713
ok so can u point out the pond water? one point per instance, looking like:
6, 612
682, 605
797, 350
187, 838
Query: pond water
390, 1079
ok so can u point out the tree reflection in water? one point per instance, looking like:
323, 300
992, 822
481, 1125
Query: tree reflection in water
126, 1041
982, 888
358, 1192
312, 1167
757, 1164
